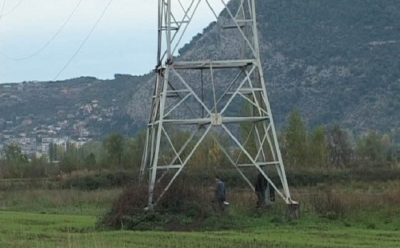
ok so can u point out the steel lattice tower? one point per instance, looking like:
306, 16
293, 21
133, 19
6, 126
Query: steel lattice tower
199, 95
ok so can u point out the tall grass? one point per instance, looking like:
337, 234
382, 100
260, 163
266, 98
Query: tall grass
349, 199
190, 203
59, 201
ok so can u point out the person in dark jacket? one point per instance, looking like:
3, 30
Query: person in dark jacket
220, 194
260, 187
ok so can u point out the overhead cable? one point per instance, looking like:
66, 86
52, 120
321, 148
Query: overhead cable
14, 8
49, 41
2, 9
84, 41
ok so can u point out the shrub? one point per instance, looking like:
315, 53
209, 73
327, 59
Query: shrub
327, 203
128, 209
183, 200
100, 181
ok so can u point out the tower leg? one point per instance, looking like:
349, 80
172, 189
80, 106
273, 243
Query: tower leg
293, 210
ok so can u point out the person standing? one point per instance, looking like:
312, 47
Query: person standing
261, 187
220, 193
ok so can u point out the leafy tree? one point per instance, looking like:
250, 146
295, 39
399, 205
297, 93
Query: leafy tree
70, 161
98, 150
388, 148
37, 167
130, 153
55, 152
370, 147
16, 160
114, 145
90, 161
295, 140
13, 153
339, 146
200, 157
208, 154
51, 152
318, 147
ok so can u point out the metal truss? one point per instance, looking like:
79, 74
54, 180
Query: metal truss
206, 94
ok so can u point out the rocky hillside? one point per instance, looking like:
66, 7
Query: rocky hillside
337, 61
81, 107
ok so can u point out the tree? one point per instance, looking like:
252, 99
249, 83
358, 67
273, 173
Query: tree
37, 167
114, 145
388, 148
55, 152
318, 147
370, 147
130, 154
98, 150
70, 161
51, 152
339, 145
13, 153
17, 161
90, 161
295, 140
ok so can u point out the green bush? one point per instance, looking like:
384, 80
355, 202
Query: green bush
100, 181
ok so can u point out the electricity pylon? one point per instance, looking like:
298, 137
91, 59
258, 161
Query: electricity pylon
202, 92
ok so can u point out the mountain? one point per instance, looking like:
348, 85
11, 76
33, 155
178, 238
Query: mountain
84, 107
337, 61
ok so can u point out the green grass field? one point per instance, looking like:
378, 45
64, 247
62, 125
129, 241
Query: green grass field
67, 218
23, 229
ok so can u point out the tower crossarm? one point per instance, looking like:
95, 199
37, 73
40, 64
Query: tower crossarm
215, 64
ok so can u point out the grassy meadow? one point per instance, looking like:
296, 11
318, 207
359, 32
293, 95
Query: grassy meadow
356, 214
23, 229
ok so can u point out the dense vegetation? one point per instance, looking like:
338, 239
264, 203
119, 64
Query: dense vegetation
319, 148
321, 156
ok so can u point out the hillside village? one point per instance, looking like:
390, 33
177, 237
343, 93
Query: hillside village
74, 124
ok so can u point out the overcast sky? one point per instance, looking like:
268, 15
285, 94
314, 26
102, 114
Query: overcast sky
36, 45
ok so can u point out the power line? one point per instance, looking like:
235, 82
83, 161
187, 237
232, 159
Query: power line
2, 9
49, 41
84, 41
14, 8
